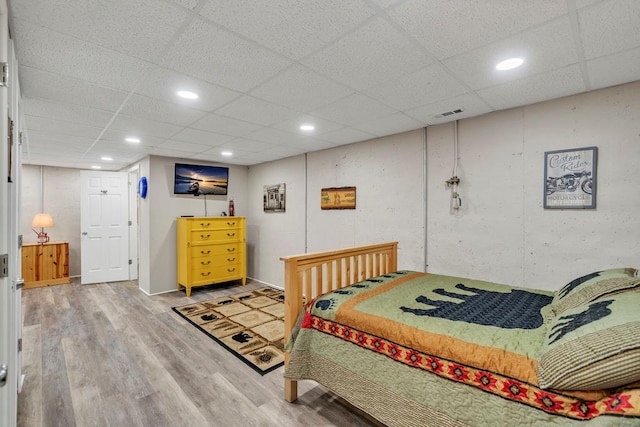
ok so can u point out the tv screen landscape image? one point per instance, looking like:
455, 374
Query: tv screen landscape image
197, 179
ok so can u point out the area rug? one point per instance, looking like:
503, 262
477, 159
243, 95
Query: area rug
250, 325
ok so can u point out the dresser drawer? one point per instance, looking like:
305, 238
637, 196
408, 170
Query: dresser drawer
215, 261
215, 273
208, 250
214, 235
217, 224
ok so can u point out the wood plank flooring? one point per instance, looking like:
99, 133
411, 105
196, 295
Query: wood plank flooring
109, 355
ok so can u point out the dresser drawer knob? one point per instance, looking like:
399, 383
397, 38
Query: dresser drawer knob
231, 224
205, 236
231, 234
205, 252
231, 270
231, 249
205, 262
203, 224
205, 274
231, 259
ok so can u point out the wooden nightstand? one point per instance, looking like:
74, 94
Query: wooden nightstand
45, 264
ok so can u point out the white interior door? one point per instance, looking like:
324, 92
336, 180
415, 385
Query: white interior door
104, 244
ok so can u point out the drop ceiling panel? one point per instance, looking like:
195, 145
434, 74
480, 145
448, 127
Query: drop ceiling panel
201, 137
184, 146
290, 27
138, 126
530, 90
376, 52
256, 110
164, 84
145, 26
44, 49
67, 112
470, 104
627, 68
53, 126
346, 135
397, 123
165, 112
245, 145
321, 125
220, 57
425, 86
354, 109
44, 85
225, 125
609, 27
301, 89
477, 68
457, 26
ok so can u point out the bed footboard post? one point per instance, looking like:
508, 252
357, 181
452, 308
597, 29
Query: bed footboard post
290, 390
292, 308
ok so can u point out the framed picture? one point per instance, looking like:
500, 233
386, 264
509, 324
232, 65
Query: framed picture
338, 198
274, 199
570, 178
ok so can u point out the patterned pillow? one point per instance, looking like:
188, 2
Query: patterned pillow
593, 286
594, 346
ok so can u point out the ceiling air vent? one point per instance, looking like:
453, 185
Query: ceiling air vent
448, 113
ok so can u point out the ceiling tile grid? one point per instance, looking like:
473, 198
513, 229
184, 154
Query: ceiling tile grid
93, 72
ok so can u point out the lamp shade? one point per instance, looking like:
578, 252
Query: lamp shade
42, 220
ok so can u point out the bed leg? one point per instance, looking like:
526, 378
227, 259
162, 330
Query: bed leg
290, 390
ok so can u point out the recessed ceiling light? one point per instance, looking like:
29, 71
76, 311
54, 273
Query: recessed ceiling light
106, 158
132, 139
307, 128
509, 64
187, 95
96, 167
227, 153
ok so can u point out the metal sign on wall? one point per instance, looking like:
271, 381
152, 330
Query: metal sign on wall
338, 198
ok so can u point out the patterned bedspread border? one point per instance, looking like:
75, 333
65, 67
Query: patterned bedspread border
622, 403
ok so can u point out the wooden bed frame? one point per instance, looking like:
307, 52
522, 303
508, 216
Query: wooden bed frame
309, 275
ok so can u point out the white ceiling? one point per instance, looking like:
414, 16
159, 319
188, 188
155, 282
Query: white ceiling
93, 72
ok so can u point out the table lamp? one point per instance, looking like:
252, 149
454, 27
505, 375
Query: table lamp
42, 221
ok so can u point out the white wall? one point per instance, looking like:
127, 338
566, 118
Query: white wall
158, 213
388, 174
274, 234
502, 233
56, 191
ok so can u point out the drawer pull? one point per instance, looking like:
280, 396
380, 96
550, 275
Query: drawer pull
205, 252
205, 236
231, 224
231, 259
231, 249
205, 274
205, 262
231, 270
231, 234
202, 224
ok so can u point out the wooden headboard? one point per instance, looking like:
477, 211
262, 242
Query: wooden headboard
309, 275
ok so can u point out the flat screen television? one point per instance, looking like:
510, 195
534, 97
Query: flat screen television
198, 179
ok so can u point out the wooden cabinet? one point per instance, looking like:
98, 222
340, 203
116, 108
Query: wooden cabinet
45, 264
210, 250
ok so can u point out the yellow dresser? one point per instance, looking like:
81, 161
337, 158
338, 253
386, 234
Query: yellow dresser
211, 250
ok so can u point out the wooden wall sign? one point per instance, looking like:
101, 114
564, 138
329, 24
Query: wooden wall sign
338, 198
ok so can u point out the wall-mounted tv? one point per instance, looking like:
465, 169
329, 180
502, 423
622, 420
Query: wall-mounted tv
198, 179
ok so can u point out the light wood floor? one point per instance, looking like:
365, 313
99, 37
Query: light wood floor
109, 355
